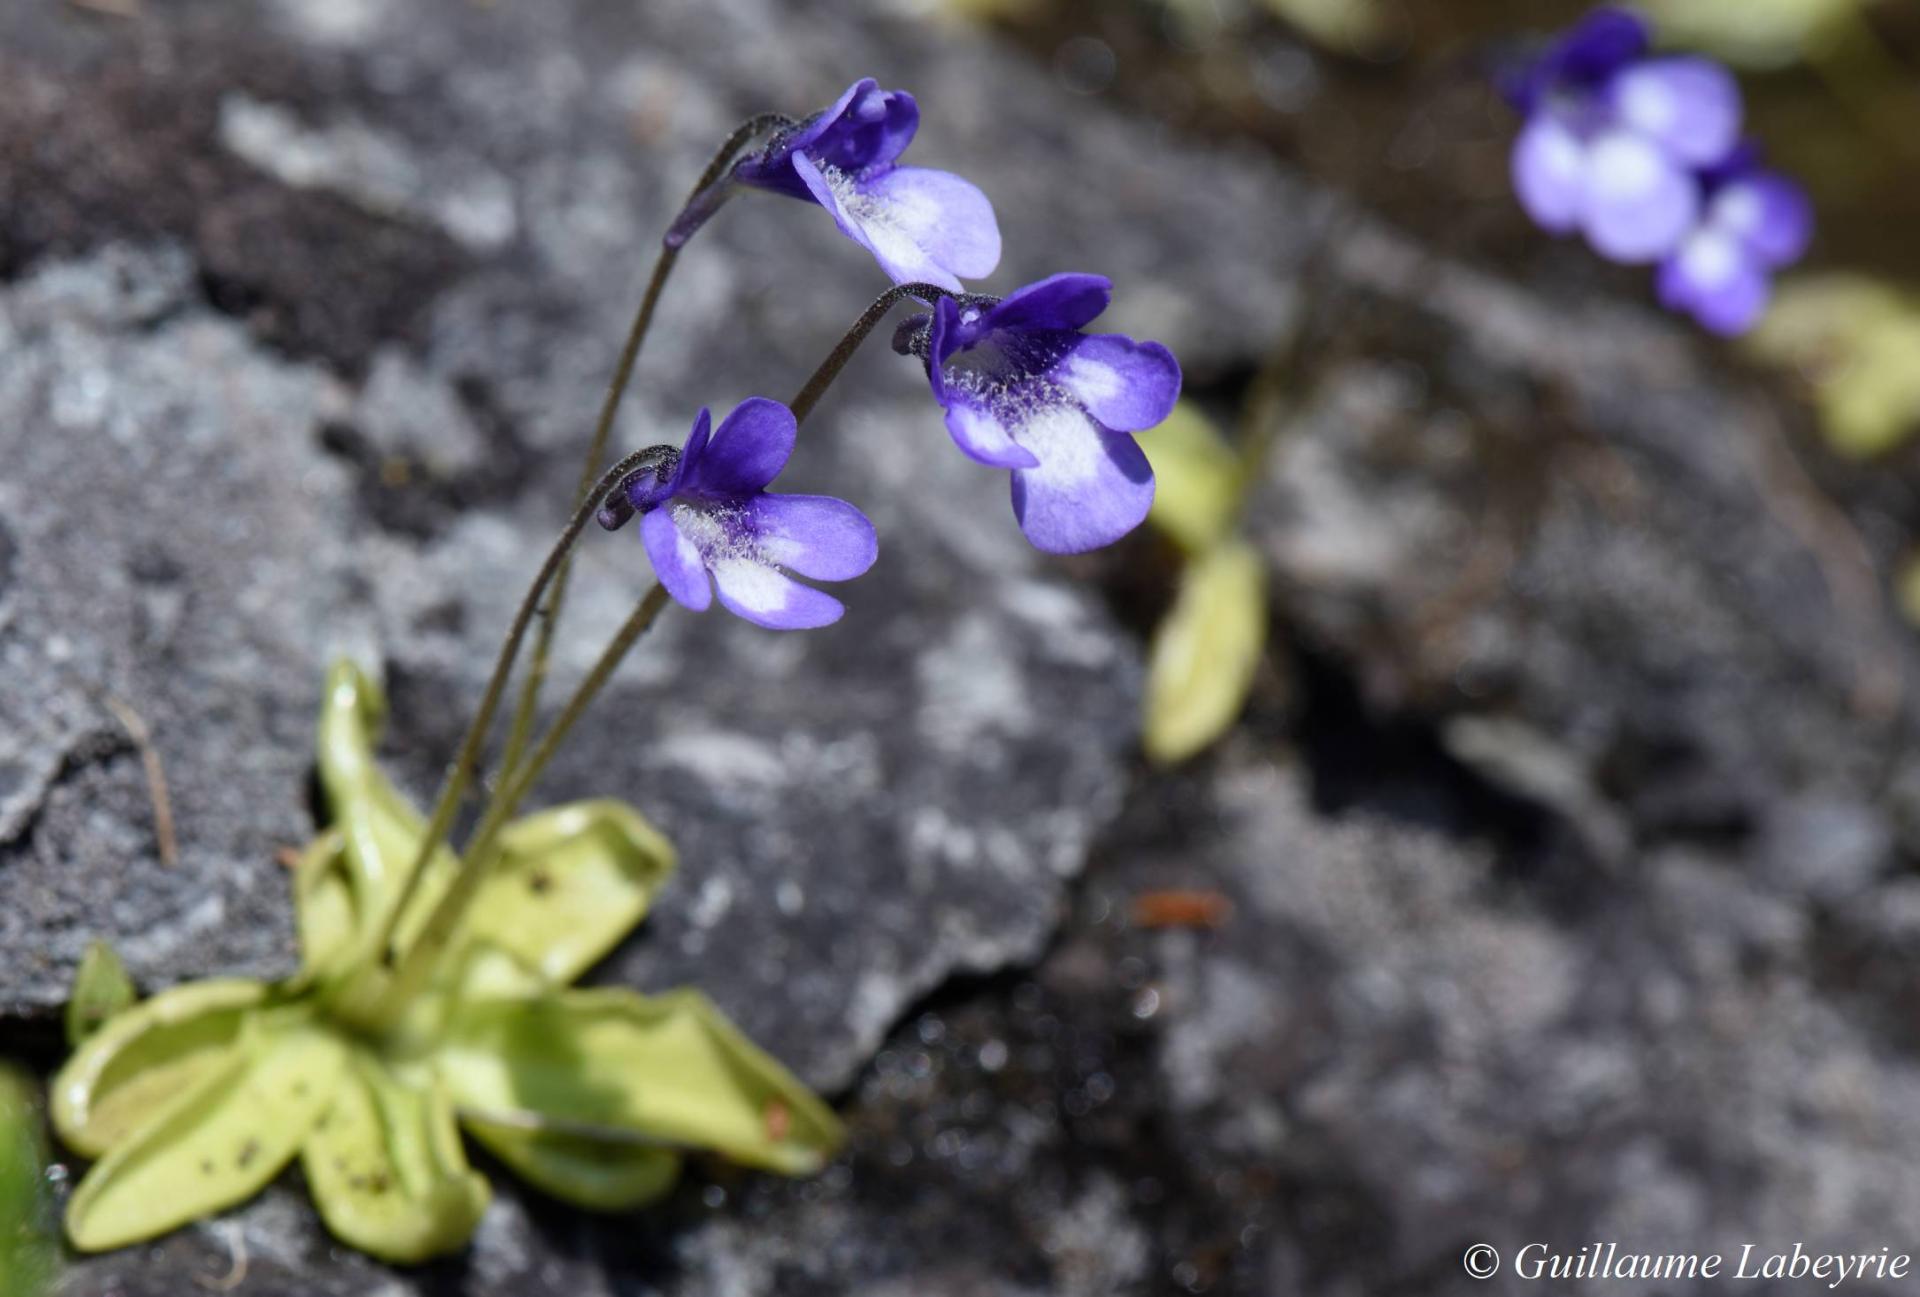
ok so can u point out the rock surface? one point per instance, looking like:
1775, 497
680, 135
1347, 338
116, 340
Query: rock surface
1569, 897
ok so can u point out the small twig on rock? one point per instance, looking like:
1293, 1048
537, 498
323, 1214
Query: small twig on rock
156, 777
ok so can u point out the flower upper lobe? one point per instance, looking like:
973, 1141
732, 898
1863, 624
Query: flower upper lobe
921, 225
1024, 389
714, 526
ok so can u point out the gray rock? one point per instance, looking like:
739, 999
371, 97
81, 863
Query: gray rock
1415, 1048
175, 551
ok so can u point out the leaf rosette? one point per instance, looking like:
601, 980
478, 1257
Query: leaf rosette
193, 1100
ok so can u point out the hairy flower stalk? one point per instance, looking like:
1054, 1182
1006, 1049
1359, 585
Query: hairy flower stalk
816, 386
460, 771
436, 937
521, 729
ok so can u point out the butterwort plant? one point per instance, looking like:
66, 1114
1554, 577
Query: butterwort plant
436, 999
1643, 155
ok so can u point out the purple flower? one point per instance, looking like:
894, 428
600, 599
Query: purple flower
1613, 138
1756, 221
710, 516
922, 226
1025, 390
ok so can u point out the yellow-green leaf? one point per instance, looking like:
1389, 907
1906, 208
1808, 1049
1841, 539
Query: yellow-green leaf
142, 1060
483, 971
217, 1144
669, 1067
101, 988
387, 1169
1856, 340
1205, 653
590, 1170
570, 882
1197, 479
325, 911
380, 829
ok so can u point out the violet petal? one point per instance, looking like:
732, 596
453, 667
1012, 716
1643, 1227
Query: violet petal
817, 536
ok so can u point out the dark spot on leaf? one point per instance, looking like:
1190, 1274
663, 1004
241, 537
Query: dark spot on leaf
539, 882
378, 1182
206, 1166
248, 1151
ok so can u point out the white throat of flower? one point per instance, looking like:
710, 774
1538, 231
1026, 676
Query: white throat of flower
895, 226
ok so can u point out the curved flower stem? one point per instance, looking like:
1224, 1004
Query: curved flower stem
436, 935
523, 713
802, 405
460, 771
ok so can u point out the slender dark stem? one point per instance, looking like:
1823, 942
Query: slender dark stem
460, 771
802, 405
477, 859
521, 729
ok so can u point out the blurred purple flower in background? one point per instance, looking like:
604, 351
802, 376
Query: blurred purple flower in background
1756, 221
921, 225
1612, 137
1025, 390
1643, 156
710, 516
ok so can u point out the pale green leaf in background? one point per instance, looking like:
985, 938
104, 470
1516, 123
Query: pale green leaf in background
1857, 341
1197, 479
1205, 653
1907, 589
1756, 33
1341, 26
101, 988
